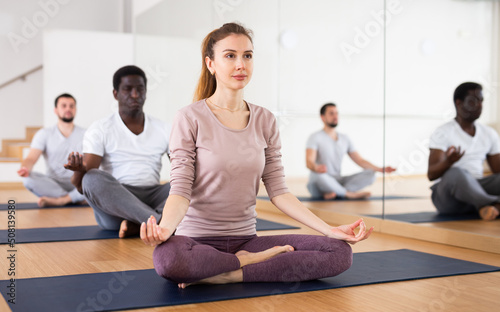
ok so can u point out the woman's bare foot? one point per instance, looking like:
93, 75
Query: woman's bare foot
331, 195
489, 213
224, 278
357, 195
247, 258
128, 228
53, 201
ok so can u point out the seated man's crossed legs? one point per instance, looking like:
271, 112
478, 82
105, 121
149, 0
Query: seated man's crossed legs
323, 185
52, 192
122, 207
459, 192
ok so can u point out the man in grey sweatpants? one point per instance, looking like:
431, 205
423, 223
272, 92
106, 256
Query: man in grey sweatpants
127, 146
457, 152
54, 188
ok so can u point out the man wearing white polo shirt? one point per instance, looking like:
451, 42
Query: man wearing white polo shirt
127, 146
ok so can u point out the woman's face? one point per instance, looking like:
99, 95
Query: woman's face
233, 62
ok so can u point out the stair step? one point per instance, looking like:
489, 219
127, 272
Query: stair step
10, 159
30, 132
16, 149
11, 186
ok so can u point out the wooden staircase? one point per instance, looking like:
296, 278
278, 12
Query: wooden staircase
11, 157
12, 149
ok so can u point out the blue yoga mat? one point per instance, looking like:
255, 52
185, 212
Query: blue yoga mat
27, 206
92, 232
387, 197
427, 216
145, 289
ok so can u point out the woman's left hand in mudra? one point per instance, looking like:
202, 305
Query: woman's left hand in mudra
347, 234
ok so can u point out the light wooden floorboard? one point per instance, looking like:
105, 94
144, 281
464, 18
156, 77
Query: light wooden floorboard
477, 292
56, 217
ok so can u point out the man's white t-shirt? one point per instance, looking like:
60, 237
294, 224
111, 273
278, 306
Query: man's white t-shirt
131, 159
484, 142
329, 151
56, 148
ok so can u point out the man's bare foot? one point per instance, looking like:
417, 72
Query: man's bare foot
247, 258
331, 195
357, 195
224, 278
489, 213
128, 228
53, 201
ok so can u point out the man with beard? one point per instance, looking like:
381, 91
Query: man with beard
457, 152
324, 152
127, 146
54, 188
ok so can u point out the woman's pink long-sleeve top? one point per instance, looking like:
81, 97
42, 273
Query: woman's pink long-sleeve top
219, 169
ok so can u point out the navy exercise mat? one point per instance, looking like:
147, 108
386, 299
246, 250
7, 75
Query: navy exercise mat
35, 206
427, 216
388, 197
128, 290
59, 234
92, 232
265, 225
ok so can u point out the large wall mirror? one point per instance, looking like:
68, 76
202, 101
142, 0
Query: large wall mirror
431, 48
393, 85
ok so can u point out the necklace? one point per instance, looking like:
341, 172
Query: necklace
228, 109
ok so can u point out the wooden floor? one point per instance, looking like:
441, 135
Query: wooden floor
477, 292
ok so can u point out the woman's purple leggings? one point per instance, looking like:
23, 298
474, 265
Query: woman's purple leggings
182, 259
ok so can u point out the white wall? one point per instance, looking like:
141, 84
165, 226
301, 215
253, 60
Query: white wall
140, 6
82, 63
21, 106
22, 24
169, 88
426, 63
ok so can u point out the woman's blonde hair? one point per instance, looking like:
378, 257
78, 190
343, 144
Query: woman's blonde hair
207, 83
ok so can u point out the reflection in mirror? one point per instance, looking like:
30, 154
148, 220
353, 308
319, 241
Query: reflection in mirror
332, 51
306, 54
426, 59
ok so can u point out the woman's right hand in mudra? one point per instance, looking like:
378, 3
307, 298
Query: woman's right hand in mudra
153, 234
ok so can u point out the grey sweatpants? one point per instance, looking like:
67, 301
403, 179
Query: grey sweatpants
114, 202
459, 192
323, 183
43, 185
